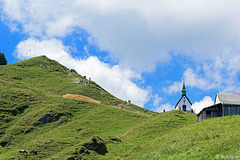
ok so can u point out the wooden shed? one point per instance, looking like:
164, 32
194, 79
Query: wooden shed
224, 105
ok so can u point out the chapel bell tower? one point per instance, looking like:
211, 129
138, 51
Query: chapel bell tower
184, 104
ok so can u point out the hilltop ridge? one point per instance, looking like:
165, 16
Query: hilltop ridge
53, 78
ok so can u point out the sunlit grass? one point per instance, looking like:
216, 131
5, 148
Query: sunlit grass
35, 88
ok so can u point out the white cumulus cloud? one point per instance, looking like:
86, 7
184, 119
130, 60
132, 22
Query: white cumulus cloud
140, 31
222, 75
175, 87
205, 102
156, 100
167, 107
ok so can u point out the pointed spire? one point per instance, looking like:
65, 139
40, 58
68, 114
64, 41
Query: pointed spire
184, 88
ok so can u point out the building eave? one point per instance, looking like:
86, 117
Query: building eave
181, 99
207, 108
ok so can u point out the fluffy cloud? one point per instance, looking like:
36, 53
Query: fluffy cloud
142, 31
167, 107
221, 75
53, 48
156, 100
196, 80
114, 79
140, 34
175, 87
205, 102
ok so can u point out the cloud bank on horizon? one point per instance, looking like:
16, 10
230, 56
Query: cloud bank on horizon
140, 35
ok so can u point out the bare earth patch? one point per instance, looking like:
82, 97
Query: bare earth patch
76, 80
81, 98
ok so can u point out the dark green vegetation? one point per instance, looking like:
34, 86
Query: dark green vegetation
35, 117
3, 60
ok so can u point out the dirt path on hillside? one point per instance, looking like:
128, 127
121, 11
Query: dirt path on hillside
76, 80
81, 98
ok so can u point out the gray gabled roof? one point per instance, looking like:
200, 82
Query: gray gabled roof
227, 98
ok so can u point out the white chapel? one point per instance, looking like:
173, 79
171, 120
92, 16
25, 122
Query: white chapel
184, 104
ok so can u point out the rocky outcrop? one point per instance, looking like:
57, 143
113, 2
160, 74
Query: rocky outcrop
48, 118
97, 145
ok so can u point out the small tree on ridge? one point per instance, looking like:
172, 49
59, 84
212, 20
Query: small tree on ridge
3, 60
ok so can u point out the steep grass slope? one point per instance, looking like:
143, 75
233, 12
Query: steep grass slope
52, 78
34, 116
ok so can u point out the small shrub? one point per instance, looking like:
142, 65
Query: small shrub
94, 139
3, 143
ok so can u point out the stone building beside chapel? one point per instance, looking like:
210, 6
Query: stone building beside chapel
184, 104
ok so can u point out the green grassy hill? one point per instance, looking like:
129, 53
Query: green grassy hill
35, 117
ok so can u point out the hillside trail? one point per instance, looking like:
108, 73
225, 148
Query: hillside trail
77, 97
88, 99
76, 80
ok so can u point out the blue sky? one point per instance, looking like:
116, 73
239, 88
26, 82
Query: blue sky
139, 50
